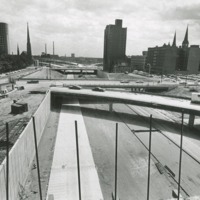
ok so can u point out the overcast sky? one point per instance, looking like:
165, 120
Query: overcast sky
77, 26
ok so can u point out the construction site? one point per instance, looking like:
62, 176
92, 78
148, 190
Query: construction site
102, 139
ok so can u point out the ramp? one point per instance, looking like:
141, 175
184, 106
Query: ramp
63, 183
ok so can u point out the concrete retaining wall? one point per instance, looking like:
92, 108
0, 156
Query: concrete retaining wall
23, 152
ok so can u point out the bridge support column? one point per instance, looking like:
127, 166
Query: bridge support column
131, 89
191, 120
110, 107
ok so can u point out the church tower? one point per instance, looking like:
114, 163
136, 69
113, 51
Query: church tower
174, 41
29, 53
185, 43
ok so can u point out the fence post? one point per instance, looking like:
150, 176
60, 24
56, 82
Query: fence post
78, 165
149, 161
37, 158
116, 147
7, 161
180, 158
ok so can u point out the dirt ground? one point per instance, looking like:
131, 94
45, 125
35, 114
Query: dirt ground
46, 147
33, 101
45, 151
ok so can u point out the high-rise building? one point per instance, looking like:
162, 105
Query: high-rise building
172, 59
114, 45
29, 52
4, 42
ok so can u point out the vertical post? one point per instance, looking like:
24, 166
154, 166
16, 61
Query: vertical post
180, 159
37, 158
149, 161
78, 165
116, 145
7, 161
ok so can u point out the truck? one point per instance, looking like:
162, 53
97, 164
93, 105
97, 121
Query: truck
195, 97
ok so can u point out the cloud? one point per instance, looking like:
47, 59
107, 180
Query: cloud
78, 25
183, 13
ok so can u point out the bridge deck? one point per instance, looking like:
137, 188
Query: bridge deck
165, 103
63, 182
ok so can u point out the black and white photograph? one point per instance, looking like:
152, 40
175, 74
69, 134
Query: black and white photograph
99, 100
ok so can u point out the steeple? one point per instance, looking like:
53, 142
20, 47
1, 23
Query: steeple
174, 41
18, 50
185, 41
29, 53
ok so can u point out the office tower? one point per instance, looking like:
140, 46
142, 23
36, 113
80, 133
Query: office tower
4, 42
29, 53
114, 45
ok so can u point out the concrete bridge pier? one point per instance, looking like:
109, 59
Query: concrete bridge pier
191, 120
110, 107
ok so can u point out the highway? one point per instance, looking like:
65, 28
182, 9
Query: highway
134, 137
133, 148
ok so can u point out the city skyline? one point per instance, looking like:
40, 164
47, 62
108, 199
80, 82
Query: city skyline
78, 26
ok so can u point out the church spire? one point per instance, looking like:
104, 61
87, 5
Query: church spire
185, 41
174, 41
29, 53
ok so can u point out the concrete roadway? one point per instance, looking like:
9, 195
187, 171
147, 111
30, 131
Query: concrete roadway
166, 151
133, 154
63, 183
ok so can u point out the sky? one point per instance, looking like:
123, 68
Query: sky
77, 26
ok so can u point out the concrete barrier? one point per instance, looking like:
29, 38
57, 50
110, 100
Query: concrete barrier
23, 152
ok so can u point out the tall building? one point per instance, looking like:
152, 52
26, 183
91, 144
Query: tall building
172, 59
4, 42
114, 45
29, 52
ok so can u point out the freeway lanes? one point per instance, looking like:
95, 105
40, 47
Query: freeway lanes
166, 152
132, 158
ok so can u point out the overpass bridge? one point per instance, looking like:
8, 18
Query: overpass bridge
134, 86
76, 70
110, 97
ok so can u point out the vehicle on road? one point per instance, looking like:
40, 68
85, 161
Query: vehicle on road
33, 81
98, 89
75, 87
20, 87
139, 82
125, 81
53, 85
